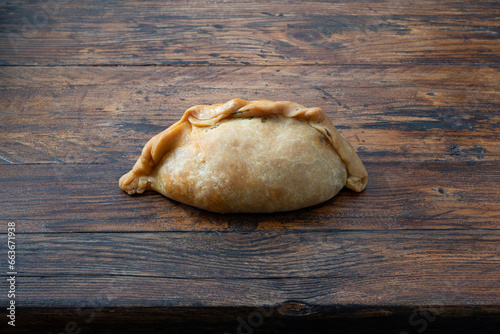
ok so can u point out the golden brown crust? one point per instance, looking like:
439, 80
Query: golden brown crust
136, 180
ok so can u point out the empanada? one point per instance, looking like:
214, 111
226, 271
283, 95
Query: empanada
242, 156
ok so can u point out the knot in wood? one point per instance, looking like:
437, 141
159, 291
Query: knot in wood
295, 308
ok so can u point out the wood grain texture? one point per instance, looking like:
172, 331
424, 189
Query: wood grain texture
367, 274
73, 291
248, 32
54, 198
414, 86
368, 255
106, 115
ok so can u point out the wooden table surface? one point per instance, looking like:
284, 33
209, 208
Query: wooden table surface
414, 86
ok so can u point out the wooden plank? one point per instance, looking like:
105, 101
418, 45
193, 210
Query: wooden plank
122, 291
53, 198
246, 32
413, 85
407, 268
103, 115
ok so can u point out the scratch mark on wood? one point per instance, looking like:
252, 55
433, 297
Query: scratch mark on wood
327, 95
6, 160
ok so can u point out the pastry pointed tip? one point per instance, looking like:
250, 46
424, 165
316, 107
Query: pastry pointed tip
133, 184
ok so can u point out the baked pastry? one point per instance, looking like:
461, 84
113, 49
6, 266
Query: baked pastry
242, 156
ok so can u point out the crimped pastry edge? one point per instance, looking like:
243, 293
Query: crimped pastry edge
135, 181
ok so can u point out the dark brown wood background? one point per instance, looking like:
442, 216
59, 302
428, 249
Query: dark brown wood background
413, 85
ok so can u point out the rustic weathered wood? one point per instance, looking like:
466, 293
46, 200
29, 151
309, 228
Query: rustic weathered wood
368, 272
53, 198
462, 261
414, 86
248, 32
106, 115
448, 291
